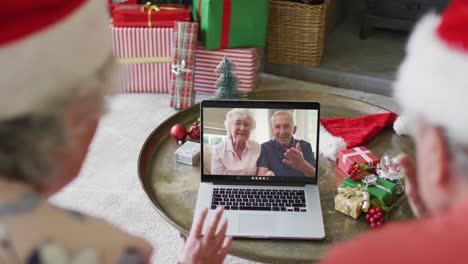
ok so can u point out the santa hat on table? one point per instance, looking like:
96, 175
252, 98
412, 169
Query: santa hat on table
432, 81
46, 47
340, 133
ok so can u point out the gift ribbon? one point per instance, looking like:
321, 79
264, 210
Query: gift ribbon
144, 60
149, 7
358, 152
349, 192
225, 22
371, 180
178, 69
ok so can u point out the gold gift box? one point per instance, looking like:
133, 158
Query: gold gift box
351, 206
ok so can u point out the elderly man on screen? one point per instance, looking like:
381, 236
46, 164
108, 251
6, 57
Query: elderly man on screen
284, 155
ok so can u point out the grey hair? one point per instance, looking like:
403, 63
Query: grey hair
277, 113
238, 113
26, 142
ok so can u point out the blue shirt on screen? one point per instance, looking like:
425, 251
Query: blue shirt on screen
272, 155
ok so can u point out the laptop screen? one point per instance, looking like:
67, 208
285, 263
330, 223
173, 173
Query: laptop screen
259, 141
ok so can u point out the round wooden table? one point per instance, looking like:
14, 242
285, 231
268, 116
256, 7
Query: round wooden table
172, 187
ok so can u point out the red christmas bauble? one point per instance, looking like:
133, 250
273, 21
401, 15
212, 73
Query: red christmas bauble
178, 132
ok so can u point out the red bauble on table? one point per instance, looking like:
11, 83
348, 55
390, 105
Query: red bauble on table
178, 132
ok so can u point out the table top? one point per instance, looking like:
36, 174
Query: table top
172, 187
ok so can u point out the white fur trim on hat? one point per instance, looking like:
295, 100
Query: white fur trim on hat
50, 62
433, 80
400, 126
330, 145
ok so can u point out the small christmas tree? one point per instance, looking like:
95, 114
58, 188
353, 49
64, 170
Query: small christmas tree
228, 81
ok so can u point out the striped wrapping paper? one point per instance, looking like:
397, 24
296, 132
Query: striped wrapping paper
145, 57
247, 63
183, 64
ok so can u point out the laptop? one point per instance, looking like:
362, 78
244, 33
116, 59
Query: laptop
263, 196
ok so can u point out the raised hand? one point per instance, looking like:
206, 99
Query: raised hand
211, 248
411, 186
295, 158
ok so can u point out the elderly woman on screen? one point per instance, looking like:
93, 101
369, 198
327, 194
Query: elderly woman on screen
238, 154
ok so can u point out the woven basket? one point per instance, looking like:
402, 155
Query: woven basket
296, 32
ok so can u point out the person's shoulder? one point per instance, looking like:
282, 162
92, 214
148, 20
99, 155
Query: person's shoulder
221, 147
304, 143
410, 241
50, 228
268, 143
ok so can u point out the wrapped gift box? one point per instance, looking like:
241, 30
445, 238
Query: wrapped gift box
188, 153
350, 201
145, 57
183, 65
383, 190
359, 154
247, 63
149, 15
232, 23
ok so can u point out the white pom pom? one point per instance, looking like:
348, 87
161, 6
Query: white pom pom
400, 126
330, 145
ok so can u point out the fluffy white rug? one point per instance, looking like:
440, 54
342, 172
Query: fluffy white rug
108, 184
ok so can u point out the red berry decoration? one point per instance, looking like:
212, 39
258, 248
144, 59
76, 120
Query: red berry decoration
179, 133
194, 132
375, 216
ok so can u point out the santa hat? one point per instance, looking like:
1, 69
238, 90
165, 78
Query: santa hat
47, 47
432, 81
340, 133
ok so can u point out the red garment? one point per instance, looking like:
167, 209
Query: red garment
441, 239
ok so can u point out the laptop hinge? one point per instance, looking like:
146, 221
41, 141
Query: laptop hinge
261, 183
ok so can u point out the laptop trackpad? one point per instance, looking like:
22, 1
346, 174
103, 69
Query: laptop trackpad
257, 224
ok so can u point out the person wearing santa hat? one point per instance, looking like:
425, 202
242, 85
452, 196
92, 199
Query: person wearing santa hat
56, 67
432, 89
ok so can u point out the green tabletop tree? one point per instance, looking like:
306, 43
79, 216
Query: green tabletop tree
227, 82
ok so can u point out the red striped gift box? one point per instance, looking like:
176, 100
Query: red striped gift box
183, 64
247, 63
145, 57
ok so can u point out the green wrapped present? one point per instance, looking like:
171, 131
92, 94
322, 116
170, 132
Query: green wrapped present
231, 23
382, 189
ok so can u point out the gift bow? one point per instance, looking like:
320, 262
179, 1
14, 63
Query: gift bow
359, 152
178, 69
349, 192
371, 180
150, 7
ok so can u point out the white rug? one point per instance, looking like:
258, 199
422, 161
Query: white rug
108, 184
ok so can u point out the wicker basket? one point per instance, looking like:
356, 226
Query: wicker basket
296, 32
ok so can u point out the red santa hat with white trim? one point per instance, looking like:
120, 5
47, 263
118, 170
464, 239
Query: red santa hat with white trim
48, 46
432, 81
339, 133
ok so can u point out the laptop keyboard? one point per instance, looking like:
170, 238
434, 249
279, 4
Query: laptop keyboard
259, 199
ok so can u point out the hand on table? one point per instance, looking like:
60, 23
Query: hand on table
211, 248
